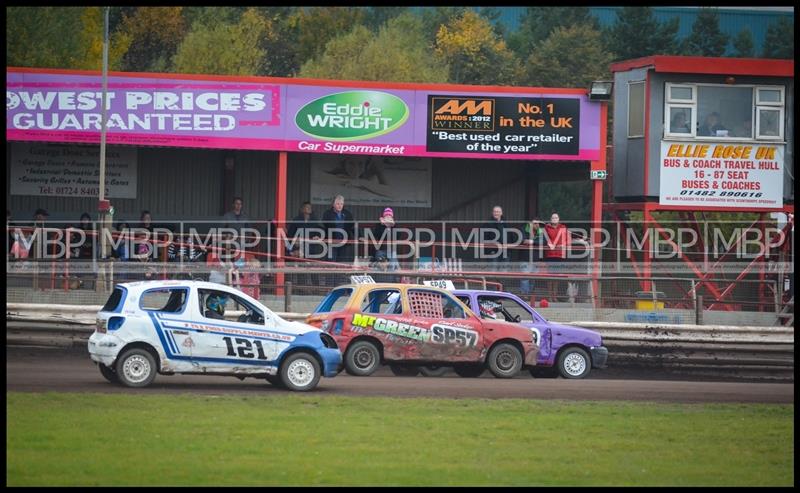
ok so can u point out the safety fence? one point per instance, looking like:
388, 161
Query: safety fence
752, 353
588, 275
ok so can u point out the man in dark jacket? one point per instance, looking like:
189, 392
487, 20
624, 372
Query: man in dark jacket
339, 227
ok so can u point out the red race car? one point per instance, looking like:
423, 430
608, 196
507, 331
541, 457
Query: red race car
411, 326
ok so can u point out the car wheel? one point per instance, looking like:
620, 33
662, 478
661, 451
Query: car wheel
362, 359
404, 370
275, 380
543, 372
434, 370
574, 362
469, 371
504, 361
108, 373
136, 368
300, 372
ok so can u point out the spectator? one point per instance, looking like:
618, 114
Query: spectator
496, 232
557, 240
679, 124
245, 276
185, 252
220, 261
712, 126
37, 245
535, 238
386, 226
236, 218
338, 224
304, 226
84, 249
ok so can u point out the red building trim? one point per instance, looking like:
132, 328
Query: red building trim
710, 65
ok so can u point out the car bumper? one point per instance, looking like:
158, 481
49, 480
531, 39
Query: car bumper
104, 348
599, 356
331, 362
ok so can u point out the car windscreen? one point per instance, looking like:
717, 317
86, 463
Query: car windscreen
335, 301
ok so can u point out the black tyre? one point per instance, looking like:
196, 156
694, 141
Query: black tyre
469, 371
434, 370
504, 360
275, 380
136, 368
300, 372
574, 362
362, 359
108, 373
404, 370
543, 372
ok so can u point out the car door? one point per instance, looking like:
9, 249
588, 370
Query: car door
223, 344
455, 334
380, 313
168, 310
512, 309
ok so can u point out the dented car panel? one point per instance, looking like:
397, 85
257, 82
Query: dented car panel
171, 321
421, 324
551, 336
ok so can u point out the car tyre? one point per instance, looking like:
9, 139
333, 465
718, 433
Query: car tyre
108, 373
504, 360
362, 359
434, 370
404, 370
469, 371
136, 368
574, 363
300, 372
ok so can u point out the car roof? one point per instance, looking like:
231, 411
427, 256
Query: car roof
480, 291
144, 285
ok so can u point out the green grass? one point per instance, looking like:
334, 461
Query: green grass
291, 439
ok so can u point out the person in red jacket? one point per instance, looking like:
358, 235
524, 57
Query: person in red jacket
557, 240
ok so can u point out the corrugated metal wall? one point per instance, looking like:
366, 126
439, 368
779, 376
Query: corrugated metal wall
187, 184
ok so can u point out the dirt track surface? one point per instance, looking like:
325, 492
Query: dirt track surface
61, 370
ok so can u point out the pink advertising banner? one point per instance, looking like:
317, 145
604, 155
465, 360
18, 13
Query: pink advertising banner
288, 115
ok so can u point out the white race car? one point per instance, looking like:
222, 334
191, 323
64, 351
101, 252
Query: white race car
173, 327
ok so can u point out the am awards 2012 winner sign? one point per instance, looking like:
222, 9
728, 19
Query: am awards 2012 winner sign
722, 174
67, 170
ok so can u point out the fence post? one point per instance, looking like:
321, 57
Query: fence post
287, 297
698, 310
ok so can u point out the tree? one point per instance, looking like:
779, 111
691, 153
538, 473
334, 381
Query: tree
743, 45
636, 33
779, 41
570, 57
155, 34
706, 38
64, 37
476, 55
226, 49
397, 53
538, 23
377, 17
315, 26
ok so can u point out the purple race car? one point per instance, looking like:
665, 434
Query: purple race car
569, 351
